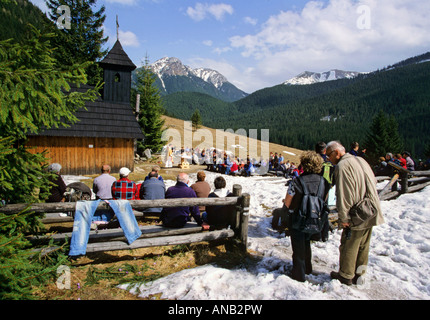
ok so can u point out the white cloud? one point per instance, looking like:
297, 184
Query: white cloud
202, 10
250, 21
208, 43
128, 39
332, 35
222, 50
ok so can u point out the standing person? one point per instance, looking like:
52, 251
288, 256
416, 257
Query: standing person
354, 148
301, 241
152, 188
59, 187
201, 188
102, 185
124, 188
177, 217
350, 178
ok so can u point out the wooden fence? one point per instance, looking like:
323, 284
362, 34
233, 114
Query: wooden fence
152, 235
410, 181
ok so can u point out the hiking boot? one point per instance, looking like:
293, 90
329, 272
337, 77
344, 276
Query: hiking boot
337, 276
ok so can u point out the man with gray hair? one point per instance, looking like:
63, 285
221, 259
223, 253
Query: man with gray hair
351, 174
177, 217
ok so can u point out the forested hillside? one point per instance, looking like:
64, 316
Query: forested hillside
15, 16
183, 104
298, 116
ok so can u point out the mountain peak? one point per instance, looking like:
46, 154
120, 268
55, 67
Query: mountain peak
309, 77
175, 76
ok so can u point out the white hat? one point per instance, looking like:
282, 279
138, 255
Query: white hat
124, 172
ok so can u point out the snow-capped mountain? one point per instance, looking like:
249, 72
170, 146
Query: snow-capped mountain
309, 77
174, 76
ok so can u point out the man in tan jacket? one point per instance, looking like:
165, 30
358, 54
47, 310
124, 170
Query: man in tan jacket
350, 179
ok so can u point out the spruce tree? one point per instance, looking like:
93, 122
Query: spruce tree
84, 40
383, 137
34, 95
150, 109
196, 120
395, 142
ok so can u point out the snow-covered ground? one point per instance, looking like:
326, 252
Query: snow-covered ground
399, 261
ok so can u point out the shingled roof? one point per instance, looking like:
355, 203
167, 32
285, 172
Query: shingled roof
101, 119
118, 57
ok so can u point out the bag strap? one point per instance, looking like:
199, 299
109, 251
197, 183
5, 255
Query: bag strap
320, 191
366, 177
304, 187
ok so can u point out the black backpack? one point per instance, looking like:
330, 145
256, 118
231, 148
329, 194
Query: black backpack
312, 213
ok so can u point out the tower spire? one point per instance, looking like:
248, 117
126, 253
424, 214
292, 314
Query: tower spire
117, 28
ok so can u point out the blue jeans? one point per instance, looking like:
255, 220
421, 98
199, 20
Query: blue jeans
84, 215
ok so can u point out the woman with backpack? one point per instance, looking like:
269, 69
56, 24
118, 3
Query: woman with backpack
305, 200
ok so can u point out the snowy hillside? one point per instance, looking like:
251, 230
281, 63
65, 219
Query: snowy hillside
399, 261
308, 77
174, 67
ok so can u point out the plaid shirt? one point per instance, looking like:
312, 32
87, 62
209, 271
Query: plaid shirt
124, 189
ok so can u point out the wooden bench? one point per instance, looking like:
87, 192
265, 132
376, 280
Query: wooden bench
152, 235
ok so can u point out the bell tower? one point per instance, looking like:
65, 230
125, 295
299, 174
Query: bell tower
117, 68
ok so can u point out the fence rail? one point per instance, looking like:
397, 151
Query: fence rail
151, 235
410, 181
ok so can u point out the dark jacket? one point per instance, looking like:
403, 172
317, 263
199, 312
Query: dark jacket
177, 217
220, 216
151, 189
58, 190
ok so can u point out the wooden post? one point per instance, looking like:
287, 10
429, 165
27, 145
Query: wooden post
244, 201
237, 192
404, 182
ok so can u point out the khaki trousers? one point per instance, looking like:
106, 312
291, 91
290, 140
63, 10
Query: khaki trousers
354, 253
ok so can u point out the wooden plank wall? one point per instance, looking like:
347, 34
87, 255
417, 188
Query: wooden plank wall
77, 157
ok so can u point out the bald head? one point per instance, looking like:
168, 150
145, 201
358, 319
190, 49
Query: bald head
183, 177
106, 168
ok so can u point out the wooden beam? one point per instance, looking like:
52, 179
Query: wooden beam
421, 173
400, 168
389, 185
161, 241
104, 234
135, 204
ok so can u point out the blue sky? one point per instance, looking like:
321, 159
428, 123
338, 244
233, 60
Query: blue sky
262, 43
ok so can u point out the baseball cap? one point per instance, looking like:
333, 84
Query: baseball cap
124, 171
